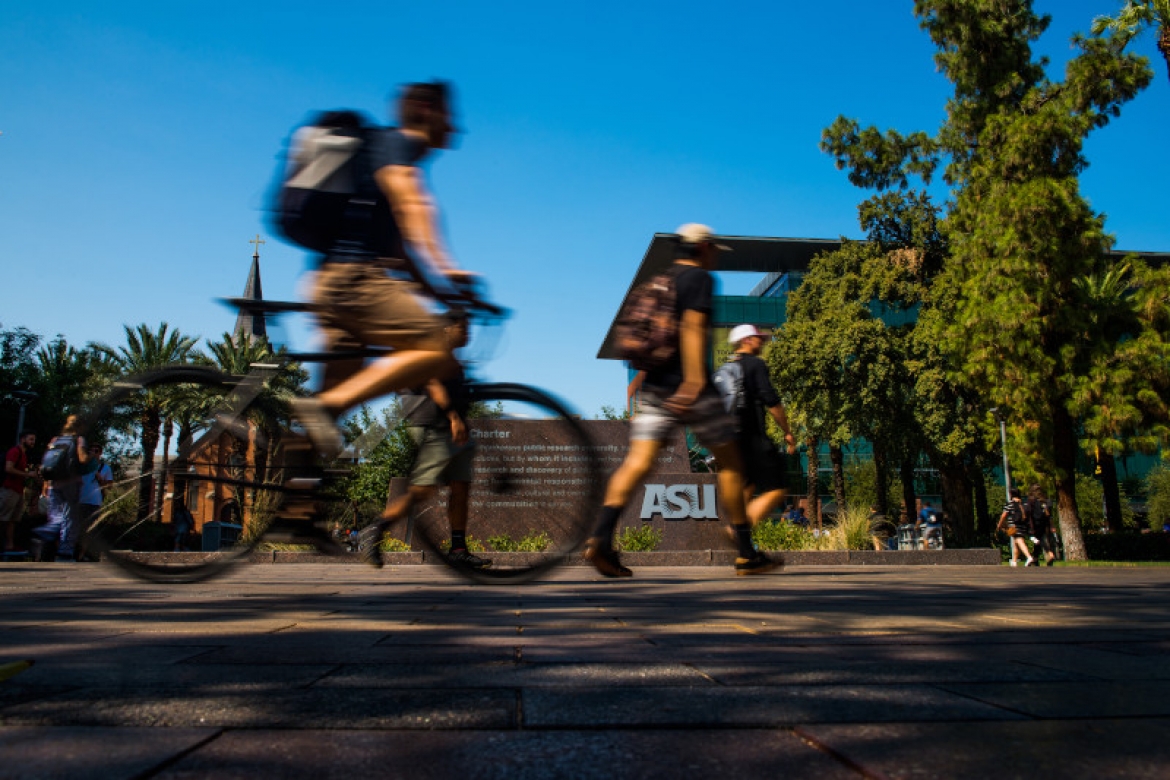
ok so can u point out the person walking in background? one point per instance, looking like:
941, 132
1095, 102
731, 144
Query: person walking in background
182, 524
64, 492
1040, 516
95, 477
763, 464
1015, 522
16, 471
680, 393
437, 418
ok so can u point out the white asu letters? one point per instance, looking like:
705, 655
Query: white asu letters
680, 502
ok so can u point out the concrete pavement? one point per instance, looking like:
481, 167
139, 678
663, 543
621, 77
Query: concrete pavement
322, 671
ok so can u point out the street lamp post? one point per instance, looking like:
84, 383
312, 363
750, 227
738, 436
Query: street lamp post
23, 399
1007, 476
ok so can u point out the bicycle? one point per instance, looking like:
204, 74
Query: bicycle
537, 470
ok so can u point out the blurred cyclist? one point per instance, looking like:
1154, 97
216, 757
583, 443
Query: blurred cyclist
358, 303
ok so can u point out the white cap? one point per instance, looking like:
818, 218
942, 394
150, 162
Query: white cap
694, 233
741, 332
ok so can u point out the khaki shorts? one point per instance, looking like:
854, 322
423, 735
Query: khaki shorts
706, 418
439, 461
362, 306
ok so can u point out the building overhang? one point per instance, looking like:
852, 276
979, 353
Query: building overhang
755, 254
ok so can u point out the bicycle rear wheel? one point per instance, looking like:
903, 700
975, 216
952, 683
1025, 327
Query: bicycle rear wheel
536, 489
227, 466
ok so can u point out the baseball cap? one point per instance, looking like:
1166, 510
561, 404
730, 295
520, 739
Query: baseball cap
694, 233
741, 332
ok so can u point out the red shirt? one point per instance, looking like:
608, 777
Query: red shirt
18, 459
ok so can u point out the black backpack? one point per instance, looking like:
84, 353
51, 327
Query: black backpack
60, 460
646, 329
326, 190
1041, 517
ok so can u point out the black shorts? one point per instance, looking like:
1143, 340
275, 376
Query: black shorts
763, 465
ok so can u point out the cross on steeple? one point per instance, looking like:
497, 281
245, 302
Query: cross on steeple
251, 325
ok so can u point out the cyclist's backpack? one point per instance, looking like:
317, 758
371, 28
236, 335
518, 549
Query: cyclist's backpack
60, 460
728, 380
326, 184
646, 329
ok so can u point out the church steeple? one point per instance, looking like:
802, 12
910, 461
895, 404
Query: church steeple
251, 325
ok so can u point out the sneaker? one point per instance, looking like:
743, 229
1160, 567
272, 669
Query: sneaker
1014, 563
757, 564
468, 559
1030, 562
606, 560
319, 424
370, 543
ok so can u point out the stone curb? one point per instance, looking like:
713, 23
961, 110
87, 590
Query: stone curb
974, 557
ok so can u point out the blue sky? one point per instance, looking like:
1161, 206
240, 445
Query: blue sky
140, 139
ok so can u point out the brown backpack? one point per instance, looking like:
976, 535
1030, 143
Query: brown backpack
646, 330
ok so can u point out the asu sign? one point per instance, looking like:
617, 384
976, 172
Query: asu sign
680, 502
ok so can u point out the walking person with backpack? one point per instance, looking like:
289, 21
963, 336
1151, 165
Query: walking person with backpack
61, 469
748, 393
1041, 518
381, 225
676, 391
1015, 522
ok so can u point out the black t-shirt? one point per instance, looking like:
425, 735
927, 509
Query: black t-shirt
694, 291
375, 231
759, 396
1038, 513
419, 409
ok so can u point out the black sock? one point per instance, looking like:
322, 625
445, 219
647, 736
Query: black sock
743, 540
606, 525
458, 540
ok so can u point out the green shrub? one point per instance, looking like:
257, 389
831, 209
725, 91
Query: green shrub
642, 538
1158, 497
853, 530
534, 541
1128, 547
390, 544
473, 545
1091, 505
782, 535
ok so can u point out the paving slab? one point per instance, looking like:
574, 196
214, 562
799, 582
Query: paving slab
749, 706
69, 753
507, 755
321, 707
1058, 749
1094, 699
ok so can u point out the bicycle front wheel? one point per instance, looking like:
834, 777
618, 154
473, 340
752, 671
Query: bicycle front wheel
536, 488
213, 473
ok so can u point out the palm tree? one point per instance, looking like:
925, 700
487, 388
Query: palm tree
64, 378
146, 350
1136, 15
